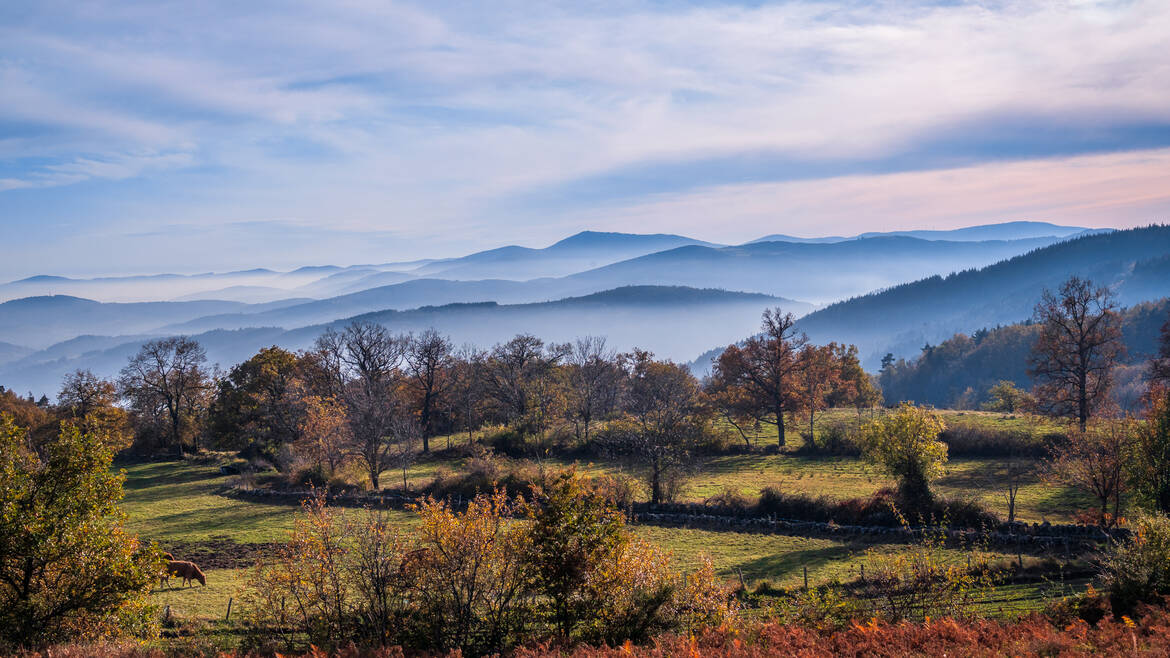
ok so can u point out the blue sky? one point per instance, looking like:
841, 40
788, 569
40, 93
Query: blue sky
178, 136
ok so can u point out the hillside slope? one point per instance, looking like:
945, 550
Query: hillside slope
1133, 263
809, 271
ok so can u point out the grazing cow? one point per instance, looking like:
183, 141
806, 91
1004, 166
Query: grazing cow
187, 571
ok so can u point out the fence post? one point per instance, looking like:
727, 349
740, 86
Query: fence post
806, 577
228, 617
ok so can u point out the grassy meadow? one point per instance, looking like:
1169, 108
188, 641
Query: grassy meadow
182, 506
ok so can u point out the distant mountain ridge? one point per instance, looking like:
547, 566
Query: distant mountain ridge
1134, 263
674, 322
1021, 230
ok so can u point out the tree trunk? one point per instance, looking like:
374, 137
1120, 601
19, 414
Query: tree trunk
780, 428
656, 485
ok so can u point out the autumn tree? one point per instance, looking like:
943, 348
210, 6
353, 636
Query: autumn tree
167, 385
734, 404
323, 435
1148, 459
429, 362
92, 403
819, 375
257, 406
1160, 364
905, 445
856, 388
1093, 461
68, 568
1006, 397
767, 366
1078, 346
363, 362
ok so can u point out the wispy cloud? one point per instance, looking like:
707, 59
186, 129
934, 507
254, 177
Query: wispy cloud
456, 124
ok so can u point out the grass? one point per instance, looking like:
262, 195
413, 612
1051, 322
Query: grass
173, 501
182, 502
208, 603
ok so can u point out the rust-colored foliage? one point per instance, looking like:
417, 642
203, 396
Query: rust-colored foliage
1143, 635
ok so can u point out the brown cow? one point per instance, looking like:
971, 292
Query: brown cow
187, 571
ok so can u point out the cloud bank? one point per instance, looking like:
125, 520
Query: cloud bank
194, 136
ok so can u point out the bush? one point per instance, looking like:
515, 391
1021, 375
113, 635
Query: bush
905, 445
484, 475
836, 439
879, 509
730, 499
970, 441
310, 476
1138, 571
68, 568
475, 581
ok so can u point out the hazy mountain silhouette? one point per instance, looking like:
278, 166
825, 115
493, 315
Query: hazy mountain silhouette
672, 322
41, 321
1022, 230
807, 271
583, 251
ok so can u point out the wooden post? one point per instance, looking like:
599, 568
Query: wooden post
863, 574
742, 584
806, 577
228, 617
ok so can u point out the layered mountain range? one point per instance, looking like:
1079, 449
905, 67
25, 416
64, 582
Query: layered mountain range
672, 294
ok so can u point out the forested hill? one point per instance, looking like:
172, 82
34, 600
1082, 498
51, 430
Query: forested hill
958, 371
1134, 263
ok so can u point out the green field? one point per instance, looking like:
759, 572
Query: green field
182, 506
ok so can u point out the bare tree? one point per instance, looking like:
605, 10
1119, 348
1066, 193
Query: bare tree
508, 369
1012, 475
363, 362
405, 433
468, 387
665, 417
166, 377
428, 361
1093, 460
595, 381
767, 367
1078, 346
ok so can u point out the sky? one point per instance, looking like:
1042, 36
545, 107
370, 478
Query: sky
212, 136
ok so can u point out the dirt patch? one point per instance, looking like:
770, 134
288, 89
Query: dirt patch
219, 553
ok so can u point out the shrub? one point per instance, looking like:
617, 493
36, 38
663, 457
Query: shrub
68, 568
972, 441
730, 499
905, 444
837, 439
1138, 571
920, 583
475, 581
880, 509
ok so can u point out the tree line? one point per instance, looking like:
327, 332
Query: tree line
365, 396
